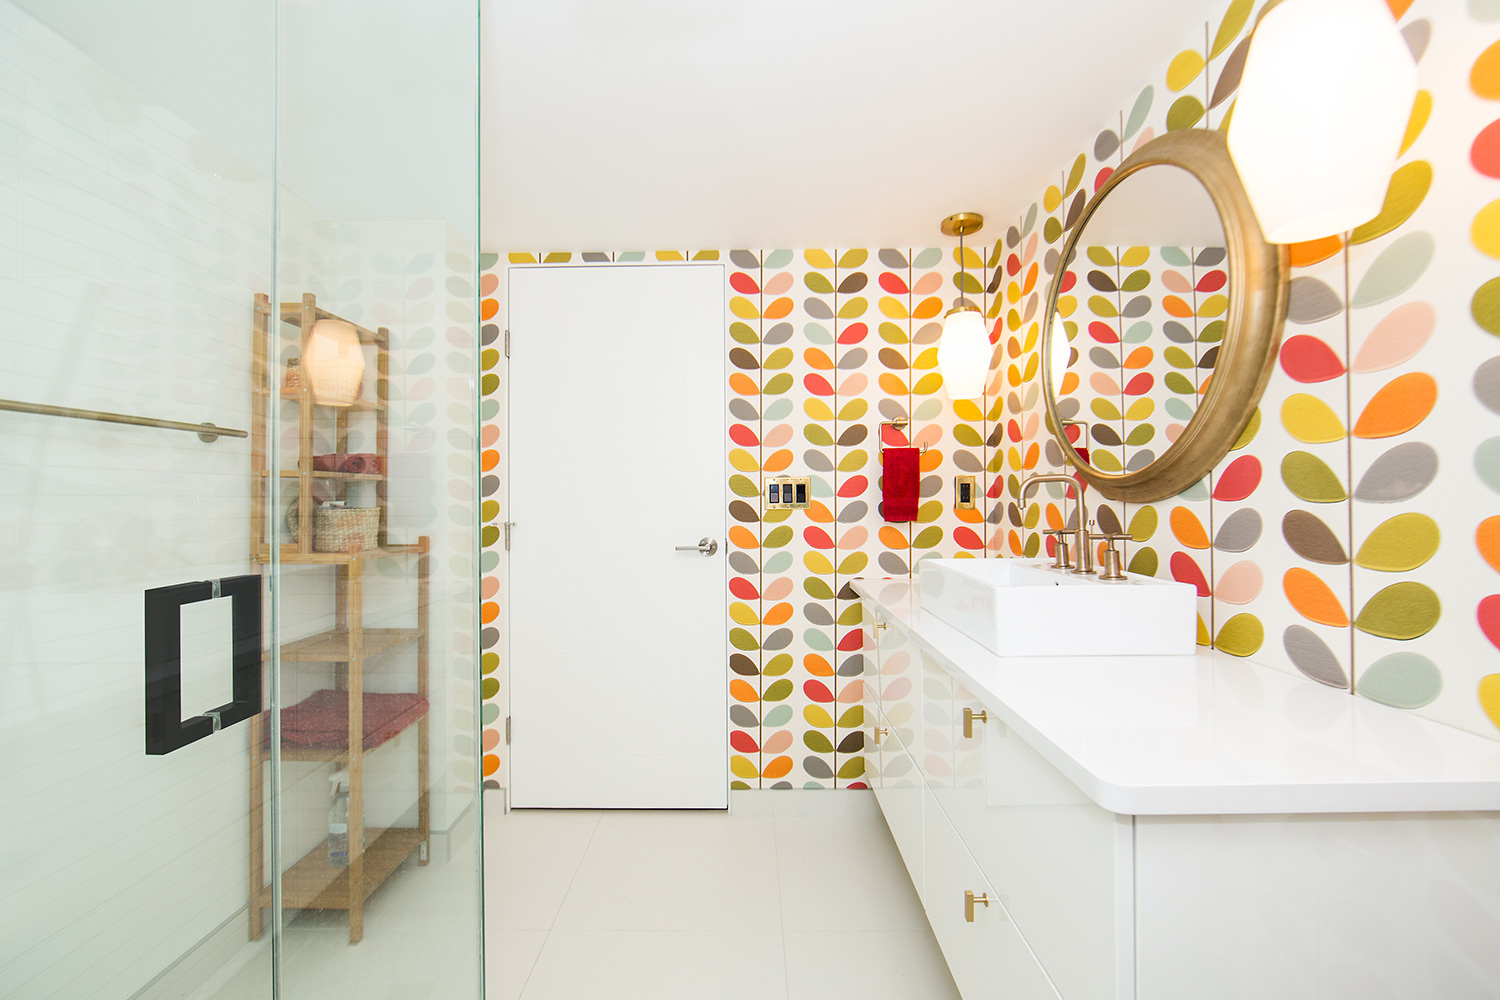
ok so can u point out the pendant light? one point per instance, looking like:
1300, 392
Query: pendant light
335, 363
964, 350
1321, 112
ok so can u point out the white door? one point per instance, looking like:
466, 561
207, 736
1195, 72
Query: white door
617, 636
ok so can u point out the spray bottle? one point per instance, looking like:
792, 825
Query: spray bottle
338, 820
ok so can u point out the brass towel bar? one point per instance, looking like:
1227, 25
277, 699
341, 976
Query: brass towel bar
899, 423
205, 432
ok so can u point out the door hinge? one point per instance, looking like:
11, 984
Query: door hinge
508, 525
507, 730
507, 343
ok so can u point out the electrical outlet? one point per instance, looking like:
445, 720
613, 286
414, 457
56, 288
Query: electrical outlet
963, 493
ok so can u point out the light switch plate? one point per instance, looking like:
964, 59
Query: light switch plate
788, 493
964, 496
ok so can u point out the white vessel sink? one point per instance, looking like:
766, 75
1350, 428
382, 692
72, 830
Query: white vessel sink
1022, 607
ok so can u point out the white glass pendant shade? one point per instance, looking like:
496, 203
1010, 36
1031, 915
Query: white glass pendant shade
964, 353
335, 363
1322, 108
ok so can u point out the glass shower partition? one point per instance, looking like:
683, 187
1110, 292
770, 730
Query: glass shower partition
200, 627
377, 274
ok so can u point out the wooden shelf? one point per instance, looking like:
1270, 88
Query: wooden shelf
358, 406
291, 312
291, 556
316, 729
344, 477
314, 884
333, 646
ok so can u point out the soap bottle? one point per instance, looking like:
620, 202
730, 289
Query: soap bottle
338, 820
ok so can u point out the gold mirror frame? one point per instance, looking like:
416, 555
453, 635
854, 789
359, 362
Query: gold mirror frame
1258, 283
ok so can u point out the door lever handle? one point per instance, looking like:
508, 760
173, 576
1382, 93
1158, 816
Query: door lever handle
707, 546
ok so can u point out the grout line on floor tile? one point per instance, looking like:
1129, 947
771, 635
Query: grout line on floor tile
786, 972
598, 821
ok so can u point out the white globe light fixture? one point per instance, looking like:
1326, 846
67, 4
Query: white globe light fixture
1322, 108
964, 349
334, 362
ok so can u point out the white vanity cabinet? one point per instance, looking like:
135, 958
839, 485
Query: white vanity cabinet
1180, 828
980, 813
890, 769
987, 955
1060, 863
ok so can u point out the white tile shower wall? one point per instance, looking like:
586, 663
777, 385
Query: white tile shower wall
126, 276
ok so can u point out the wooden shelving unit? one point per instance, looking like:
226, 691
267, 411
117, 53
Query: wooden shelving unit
312, 883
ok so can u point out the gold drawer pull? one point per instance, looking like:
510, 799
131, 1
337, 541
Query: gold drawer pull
971, 717
880, 626
879, 732
983, 899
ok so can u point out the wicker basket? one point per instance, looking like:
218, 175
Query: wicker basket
337, 528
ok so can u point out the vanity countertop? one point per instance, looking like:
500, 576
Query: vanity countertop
1207, 734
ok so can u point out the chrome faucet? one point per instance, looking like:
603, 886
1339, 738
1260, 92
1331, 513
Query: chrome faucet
1081, 538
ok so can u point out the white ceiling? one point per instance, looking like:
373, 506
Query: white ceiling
688, 124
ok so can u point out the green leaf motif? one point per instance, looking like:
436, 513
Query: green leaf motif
1230, 28
1144, 562
1406, 610
1178, 358
817, 742
778, 384
1180, 384
1402, 543
1242, 635
928, 538
778, 537
1310, 479
817, 588
818, 435
1185, 112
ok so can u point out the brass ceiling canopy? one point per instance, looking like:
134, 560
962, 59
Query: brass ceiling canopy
962, 224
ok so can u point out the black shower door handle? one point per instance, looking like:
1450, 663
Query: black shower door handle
166, 729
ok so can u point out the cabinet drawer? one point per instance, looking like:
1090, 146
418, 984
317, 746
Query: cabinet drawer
1063, 864
898, 790
988, 957
894, 678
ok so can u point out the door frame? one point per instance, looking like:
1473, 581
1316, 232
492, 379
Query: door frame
507, 428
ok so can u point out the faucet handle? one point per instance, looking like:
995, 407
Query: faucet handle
1060, 549
1111, 567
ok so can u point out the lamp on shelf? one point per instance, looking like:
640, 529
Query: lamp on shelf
964, 349
335, 363
1322, 108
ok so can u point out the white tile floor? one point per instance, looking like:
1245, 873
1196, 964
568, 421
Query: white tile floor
789, 895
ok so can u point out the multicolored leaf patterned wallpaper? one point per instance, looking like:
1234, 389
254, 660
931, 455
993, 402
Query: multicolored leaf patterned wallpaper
1350, 535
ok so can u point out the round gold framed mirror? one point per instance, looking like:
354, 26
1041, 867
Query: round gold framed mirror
1163, 321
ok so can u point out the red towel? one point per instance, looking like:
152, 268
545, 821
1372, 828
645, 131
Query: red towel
364, 463
321, 721
900, 483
